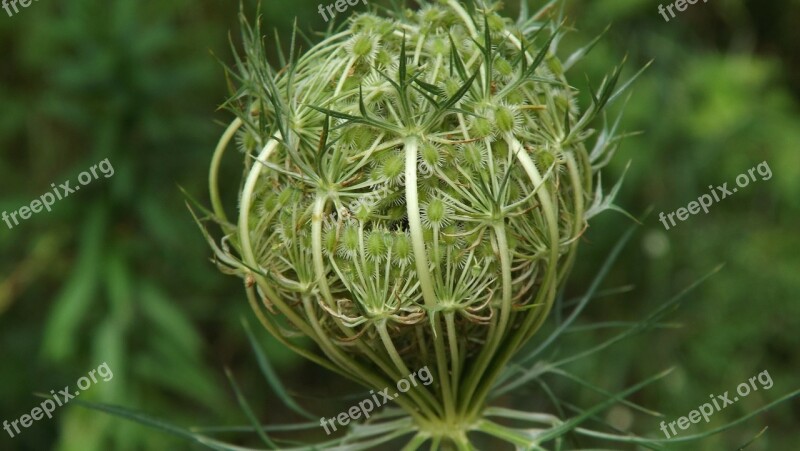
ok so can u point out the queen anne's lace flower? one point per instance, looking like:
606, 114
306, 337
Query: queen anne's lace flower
416, 199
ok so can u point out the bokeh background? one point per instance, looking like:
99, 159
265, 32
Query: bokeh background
119, 273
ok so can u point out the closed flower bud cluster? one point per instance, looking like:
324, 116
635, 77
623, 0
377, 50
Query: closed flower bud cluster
414, 191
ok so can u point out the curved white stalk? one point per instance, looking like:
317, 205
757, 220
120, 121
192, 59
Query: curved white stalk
418, 49
464, 15
534, 319
497, 330
579, 209
248, 257
421, 263
247, 199
322, 282
436, 67
415, 223
345, 75
383, 331
213, 174
550, 213
327, 44
316, 250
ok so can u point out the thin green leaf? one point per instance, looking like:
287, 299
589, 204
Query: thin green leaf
272, 378
336, 114
431, 89
248, 411
587, 296
647, 323
583, 51
458, 95
147, 420
401, 69
455, 60
627, 84
572, 423
361, 107
687, 438
539, 57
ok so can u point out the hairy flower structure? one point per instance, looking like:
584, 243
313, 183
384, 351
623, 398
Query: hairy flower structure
414, 191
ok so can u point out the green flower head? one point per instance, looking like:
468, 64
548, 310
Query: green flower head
414, 196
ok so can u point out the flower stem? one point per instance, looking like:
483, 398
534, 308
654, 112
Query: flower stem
423, 272
213, 174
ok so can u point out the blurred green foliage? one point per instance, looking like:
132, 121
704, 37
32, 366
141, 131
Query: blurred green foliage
119, 273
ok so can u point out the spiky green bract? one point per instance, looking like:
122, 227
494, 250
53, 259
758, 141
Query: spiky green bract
414, 190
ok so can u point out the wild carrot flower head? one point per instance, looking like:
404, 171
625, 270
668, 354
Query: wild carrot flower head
413, 194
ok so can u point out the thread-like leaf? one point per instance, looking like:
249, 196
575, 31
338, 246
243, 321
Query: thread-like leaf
272, 378
249, 411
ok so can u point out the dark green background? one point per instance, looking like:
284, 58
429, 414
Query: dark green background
119, 273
